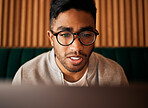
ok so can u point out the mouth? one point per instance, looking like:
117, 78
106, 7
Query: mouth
75, 60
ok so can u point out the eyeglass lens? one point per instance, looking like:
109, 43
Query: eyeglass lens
66, 38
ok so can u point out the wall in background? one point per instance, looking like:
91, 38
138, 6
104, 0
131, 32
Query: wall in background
121, 23
24, 23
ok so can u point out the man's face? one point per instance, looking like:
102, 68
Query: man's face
75, 57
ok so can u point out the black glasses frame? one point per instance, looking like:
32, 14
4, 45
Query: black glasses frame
56, 34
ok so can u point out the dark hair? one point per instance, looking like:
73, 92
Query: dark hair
58, 6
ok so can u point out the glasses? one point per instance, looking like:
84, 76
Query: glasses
66, 38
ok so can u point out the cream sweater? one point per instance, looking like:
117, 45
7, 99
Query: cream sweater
44, 70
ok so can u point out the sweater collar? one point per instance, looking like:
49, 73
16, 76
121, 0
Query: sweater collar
92, 73
53, 62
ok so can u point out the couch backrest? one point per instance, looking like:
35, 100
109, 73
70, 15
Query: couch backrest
133, 60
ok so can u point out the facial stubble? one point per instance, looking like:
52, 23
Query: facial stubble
62, 60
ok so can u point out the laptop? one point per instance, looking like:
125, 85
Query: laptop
135, 96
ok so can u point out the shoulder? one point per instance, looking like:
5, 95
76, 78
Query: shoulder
110, 72
37, 60
37, 64
103, 61
33, 70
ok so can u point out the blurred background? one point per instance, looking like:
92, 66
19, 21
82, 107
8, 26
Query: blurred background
121, 23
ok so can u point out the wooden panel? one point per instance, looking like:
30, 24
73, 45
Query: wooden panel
146, 21
140, 23
41, 23
17, 24
1, 12
23, 24
103, 24
109, 23
29, 23
35, 23
116, 23
98, 18
128, 23
11, 24
47, 10
5, 24
122, 22
134, 23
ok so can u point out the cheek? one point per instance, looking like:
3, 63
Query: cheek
56, 45
88, 49
59, 50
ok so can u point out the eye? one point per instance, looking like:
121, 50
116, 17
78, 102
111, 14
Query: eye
64, 34
86, 35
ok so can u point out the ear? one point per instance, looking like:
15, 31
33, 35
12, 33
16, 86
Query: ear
50, 36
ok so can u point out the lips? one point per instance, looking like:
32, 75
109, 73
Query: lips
75, 60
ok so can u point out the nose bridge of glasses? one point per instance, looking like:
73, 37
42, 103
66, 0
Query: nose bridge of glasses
76, 34
76, 38
76, 45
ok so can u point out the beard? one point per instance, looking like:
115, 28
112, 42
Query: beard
73, 67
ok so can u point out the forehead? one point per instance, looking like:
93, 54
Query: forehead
74, 19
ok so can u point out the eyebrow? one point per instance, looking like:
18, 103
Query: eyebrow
64, 28
87, 28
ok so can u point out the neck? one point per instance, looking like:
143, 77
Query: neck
74, 76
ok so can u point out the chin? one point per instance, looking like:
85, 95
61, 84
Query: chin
75, 68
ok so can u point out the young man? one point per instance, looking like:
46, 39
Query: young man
72, 61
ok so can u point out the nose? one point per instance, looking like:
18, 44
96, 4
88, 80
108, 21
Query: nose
76, 46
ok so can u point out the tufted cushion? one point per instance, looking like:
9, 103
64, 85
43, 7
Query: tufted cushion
133, 60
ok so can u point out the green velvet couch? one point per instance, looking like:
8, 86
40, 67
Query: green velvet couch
133, 60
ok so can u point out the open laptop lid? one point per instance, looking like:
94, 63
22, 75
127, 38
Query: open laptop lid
73, 97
